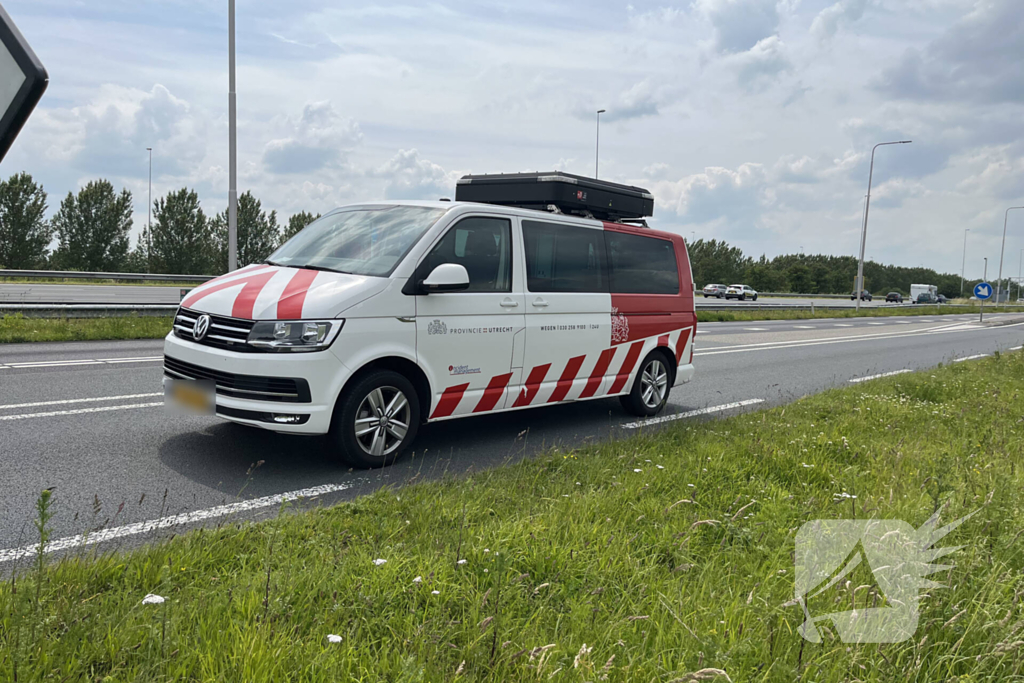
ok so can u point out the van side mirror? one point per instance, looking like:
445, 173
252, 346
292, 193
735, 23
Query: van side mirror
447, 277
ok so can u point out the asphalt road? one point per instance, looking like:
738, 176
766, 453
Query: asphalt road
134, 294
87, 420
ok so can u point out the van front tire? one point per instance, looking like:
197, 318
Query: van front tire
376, 419
651, 387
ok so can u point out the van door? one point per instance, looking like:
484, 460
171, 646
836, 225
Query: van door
465, 341
568, 313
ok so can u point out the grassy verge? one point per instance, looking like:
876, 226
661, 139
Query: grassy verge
767, 314
650, 559
16, 328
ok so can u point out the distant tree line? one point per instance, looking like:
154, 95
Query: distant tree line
715, 261
91, 231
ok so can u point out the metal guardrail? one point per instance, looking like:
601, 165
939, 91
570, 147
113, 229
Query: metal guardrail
81, 275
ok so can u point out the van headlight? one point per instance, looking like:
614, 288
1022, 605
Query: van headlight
294, 335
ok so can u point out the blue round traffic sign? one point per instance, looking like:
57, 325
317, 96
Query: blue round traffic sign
983, 291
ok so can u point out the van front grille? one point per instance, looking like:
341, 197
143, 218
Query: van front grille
252, 387
225, 333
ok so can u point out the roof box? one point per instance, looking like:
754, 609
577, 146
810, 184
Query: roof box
571, 194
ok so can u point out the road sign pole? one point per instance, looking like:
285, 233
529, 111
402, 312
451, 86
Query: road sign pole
981, 315
232, 146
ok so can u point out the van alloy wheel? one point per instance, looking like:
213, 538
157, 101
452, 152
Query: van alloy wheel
382, 421
655, 383
375, 419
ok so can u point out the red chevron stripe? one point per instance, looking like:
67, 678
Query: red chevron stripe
632, 356
663, 340
495, 388
449, 400
532, 386
289, 306
684, 336
572, 368
598, 374
252, 285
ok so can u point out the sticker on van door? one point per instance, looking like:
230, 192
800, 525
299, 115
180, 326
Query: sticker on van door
437, 327
620, 327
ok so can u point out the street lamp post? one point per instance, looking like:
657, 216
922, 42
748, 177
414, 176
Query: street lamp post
232, 147
999, 283
149, 216
984, 278
867, 207
963, 263
597, 145
1020, 262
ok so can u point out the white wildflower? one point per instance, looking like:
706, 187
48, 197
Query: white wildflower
379, 562
638, 470
418, 579
435, 592
333, 638
462, 561
152, 599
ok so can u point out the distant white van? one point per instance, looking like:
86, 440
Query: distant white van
917, 290
378, 317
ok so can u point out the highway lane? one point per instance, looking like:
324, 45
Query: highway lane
137, 294
87, 420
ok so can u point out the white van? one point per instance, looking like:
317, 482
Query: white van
378, 317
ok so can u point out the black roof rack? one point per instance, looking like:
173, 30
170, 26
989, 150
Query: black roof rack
560, 192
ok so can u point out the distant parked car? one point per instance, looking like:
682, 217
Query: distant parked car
864, 296
942, 299
894, 297
714, 290
741, 292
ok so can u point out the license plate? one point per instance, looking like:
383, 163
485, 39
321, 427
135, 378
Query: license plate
192, 395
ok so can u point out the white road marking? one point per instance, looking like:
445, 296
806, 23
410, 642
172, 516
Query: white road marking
884, 374
169, 522
756, 329
805, 327
961, 360
126, 397
691, 413
842, 325
902, 322
702, 331
84, 361
80, 411
797, 343
1017, 348
876, 323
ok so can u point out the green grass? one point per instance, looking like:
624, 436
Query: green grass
752, 314
17, 328
648, 559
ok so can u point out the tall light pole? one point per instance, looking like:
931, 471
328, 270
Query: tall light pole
963, 263
597, 146
999, 283
232, 147
149, 216
1020, 262
867, 207
984, 278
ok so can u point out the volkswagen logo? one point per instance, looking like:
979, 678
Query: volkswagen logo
201, 328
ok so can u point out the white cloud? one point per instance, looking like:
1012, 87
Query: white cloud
319, 138
759, 66
407, 176
740, 24
828, 21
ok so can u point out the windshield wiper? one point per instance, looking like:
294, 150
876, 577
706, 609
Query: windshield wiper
323, 268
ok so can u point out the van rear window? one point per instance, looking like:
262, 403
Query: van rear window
641, 265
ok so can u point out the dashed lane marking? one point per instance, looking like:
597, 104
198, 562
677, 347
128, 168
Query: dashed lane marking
691, 413
80, 411
126, 397
975, 357
884, 374
172, 521
83, 361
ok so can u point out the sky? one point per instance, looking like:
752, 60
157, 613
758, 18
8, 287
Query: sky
751, 121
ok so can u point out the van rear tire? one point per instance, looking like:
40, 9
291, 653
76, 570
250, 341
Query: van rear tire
376, 419
651, 387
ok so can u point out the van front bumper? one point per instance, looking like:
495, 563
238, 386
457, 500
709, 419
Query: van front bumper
257, 389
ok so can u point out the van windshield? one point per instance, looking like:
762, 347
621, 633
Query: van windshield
361, 240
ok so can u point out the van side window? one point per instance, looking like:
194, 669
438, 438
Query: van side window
641, 265
483, 246
564, 258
